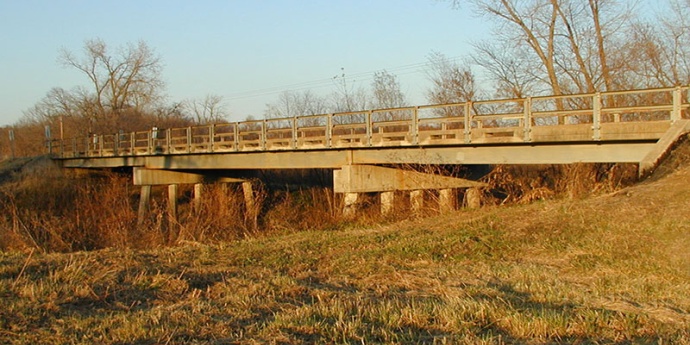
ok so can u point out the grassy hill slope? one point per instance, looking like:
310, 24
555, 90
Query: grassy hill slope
609, 269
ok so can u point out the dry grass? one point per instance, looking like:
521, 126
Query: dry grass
611, 269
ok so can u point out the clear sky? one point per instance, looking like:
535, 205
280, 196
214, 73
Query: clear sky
245, 51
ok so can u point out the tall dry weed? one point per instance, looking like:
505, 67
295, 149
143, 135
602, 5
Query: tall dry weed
523, 184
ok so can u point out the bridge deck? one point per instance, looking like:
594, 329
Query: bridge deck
600, 127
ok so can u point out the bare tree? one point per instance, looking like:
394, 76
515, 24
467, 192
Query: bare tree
386, 90
208, 110
659, 55
348, 98
576, 42
451, 82
124, 82
292, 103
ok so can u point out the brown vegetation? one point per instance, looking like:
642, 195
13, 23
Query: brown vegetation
611, 268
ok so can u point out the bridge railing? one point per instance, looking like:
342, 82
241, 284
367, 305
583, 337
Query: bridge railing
619, 115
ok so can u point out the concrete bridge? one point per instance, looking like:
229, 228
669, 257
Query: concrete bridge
634, 126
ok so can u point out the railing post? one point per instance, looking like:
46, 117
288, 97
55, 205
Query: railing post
294, 132
329, 130
116, 144
415, 126
236, 136
189, 139
149, 140
132, 143
527, 121
677, 100
369, 128
263, 135
596, 116
168, 140
211, 137
468, 122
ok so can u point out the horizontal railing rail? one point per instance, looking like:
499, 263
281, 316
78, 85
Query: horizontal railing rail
616, 115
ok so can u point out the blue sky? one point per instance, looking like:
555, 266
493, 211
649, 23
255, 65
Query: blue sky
245, 51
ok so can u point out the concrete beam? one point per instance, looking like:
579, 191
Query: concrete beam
369, 178
143, 176
509, 153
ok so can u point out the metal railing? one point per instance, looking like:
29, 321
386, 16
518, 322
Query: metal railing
620, 115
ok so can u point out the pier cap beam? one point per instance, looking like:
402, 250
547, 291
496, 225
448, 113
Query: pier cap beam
143, 176
370, 178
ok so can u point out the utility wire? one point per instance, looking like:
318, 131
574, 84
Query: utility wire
326, 82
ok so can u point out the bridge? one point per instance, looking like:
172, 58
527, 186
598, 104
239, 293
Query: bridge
364, 148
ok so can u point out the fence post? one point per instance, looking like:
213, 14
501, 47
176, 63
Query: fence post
527, 121
596, 116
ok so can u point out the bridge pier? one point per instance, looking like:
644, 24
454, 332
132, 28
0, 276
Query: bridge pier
146, 178
353, 179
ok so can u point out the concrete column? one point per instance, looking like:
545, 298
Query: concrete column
248, 196
417, 200
172, 231
198, 191
473, 198
144, 204
446, 200
172, 203
387, 202
350, 205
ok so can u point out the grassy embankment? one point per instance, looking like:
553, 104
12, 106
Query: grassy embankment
613, 268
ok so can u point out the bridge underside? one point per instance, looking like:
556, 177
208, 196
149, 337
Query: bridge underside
588, 152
